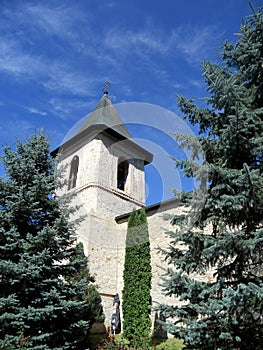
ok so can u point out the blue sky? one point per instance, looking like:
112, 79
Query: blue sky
56, 55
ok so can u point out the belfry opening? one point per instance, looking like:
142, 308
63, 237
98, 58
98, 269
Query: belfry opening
122, 174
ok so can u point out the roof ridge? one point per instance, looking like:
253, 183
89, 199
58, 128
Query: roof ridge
105, 113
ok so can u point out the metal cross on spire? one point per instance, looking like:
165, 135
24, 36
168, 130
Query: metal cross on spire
106, 87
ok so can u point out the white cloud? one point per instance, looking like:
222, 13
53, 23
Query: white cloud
54, 20
116, 47
197, 83
83, 58
110, 4
34, 110
17, 128
123, 40
55, 76
14, 61
67, 82
48, 19
59, 73
64, 79
195, 42
65, 108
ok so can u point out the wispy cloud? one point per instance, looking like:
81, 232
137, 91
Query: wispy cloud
14, 60
57, 20
58, 73
51, 63
54, 75
110, 4
195, 42
123, 40
114, 46
192, 42
48, 19
69, 108
34, 110
196, 83
17, 128
66, 81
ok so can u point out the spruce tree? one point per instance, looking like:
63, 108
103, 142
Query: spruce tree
225, 311
137, 279
39, 297
91, 295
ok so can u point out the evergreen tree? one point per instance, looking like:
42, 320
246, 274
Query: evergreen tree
225, 311
91, 295
137, 279
38, 296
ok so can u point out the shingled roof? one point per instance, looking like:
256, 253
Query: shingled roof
105, 114
104, 118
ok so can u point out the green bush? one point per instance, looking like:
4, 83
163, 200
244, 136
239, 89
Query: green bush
118, 342
137, 275
171, 344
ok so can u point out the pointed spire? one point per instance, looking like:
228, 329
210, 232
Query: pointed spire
105, 118
105, 114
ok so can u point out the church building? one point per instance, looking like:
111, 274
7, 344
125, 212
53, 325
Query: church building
105, 166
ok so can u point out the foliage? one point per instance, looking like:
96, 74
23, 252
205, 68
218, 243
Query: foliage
38, 295
137, 278
117, 342
223, 310
107, 342
91, 295
170, 344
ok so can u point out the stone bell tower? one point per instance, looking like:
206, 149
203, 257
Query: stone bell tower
105, 166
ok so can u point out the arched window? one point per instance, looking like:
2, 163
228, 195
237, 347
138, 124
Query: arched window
73, 172
123, 170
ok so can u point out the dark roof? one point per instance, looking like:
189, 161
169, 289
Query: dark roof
105, 118
105, 114
153, 209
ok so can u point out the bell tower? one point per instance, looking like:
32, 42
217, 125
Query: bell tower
105, 166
